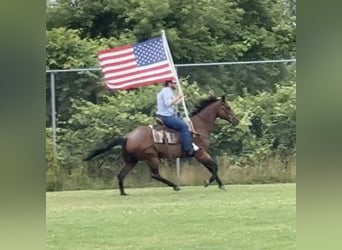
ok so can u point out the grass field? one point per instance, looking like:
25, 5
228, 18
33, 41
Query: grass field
244, 217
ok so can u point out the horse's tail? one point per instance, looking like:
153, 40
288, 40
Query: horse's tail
105, 146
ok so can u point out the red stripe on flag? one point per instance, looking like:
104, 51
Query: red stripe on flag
139, 78
114, 49
140, 84
120, 72
107, 66
113, 57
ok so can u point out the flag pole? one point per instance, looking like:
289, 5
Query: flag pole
174, 72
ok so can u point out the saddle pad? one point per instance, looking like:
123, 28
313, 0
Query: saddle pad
163, 136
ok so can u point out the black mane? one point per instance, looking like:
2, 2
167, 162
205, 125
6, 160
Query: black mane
203, 103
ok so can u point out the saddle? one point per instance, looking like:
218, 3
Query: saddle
163, 134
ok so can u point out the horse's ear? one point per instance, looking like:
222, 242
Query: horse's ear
223, 98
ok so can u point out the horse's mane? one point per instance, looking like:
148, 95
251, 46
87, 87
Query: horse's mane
202, 104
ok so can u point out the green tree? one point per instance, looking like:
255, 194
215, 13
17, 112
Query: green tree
197, 31
65, 49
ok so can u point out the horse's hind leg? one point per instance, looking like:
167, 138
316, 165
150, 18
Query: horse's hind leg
153, 163
123, 173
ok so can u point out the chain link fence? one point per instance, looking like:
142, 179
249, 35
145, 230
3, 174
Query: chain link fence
228, 78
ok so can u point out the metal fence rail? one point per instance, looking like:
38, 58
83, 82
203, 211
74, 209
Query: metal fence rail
182, 65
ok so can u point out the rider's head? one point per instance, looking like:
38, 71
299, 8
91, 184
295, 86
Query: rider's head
170, 83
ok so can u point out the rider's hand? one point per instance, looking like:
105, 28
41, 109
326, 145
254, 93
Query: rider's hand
181, 96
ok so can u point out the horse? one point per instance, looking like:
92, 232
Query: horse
138, 145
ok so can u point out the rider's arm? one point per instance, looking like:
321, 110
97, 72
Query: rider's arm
177, 99
170, 99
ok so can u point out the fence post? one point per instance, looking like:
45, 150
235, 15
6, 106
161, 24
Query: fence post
53, 112
177, 159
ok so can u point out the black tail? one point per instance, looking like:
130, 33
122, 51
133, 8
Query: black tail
105, 146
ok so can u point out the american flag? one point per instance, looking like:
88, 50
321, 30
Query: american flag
132, 66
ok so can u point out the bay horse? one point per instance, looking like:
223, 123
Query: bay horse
138, 145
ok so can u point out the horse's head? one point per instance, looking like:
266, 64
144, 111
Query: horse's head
225, 112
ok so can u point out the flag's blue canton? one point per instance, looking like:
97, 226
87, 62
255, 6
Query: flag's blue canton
149, 52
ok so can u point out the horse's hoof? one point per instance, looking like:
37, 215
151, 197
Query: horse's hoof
206, 183
222, 188
123, 194
176, 188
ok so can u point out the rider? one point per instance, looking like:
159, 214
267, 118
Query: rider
166, 101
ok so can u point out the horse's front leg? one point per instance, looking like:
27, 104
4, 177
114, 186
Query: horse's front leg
211, 165
213, 168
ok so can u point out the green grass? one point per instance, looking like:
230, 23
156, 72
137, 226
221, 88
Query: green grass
244, 217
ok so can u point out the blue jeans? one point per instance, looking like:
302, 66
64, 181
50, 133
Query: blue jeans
178, 124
